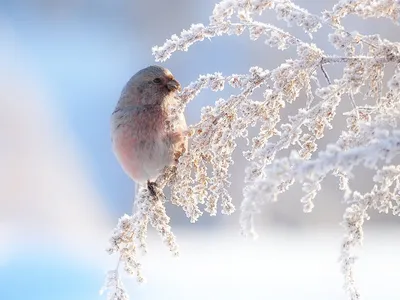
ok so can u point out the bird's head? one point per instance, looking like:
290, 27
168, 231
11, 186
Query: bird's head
152, 86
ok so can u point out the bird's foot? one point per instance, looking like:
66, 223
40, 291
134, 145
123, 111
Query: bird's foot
151, 186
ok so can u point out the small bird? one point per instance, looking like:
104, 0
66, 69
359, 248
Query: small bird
140, 139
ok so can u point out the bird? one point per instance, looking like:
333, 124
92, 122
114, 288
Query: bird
141, 141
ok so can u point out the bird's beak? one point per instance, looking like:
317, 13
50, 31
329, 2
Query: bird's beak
173, 85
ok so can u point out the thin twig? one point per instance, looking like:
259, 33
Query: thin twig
325, 73
353, 102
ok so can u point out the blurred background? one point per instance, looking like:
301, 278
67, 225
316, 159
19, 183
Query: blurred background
62, 67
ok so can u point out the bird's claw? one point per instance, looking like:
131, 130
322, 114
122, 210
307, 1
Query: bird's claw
151, 186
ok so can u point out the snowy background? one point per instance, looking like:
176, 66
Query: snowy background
62, 66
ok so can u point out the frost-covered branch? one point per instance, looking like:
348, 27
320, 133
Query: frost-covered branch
369, 138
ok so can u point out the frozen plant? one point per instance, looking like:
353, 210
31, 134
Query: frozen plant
371, 138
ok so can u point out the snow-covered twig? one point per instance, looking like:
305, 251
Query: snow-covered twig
369, 138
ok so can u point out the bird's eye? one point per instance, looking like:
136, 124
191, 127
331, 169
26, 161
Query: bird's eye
157, 80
